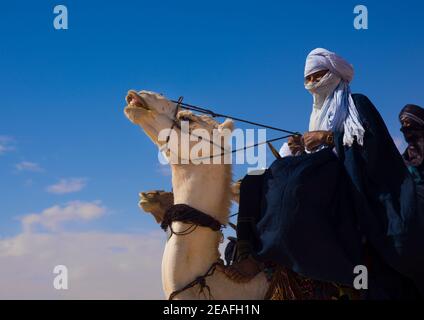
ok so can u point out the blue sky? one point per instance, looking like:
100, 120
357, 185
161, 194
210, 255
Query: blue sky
62, 92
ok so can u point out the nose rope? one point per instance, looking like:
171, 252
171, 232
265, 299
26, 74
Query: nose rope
187, 106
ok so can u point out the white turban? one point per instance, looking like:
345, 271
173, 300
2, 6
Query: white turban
337, 112
321, 59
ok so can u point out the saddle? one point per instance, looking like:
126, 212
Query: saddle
286, 284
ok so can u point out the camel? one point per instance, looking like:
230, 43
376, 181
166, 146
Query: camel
205, 187
156, 202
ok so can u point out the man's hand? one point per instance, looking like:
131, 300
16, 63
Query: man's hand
295, 144
315, 139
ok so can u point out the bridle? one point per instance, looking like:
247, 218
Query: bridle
175, 124
180, 104
174, 120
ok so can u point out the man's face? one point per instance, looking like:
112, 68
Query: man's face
415, 140
406, 124
411, 131
315, 77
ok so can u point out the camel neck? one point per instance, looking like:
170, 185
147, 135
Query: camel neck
188, 256
205, 188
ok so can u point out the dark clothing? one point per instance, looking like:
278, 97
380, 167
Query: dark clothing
417, 171
317, 209
305, 214
412, 120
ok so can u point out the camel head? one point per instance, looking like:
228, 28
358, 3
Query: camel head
157, 115
156, 202
150, 110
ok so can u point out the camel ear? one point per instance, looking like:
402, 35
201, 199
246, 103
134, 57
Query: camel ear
185, 115
227, 124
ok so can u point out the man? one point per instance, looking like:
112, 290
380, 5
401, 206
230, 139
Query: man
346, 185
411, 118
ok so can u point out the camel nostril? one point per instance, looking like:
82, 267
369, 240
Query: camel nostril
129, 98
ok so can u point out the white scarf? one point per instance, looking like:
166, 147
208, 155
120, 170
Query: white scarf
320, 91
333, 108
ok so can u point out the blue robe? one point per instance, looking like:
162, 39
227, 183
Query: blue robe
322, 214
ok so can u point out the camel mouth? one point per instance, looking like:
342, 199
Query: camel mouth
134, 100
145, 204
146, 201
147, 198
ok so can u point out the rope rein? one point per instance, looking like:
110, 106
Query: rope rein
187, 106
183, 105
201, 280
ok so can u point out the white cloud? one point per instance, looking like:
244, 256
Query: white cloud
6, 144
100, 265
67, 186
28, 166
53, 218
